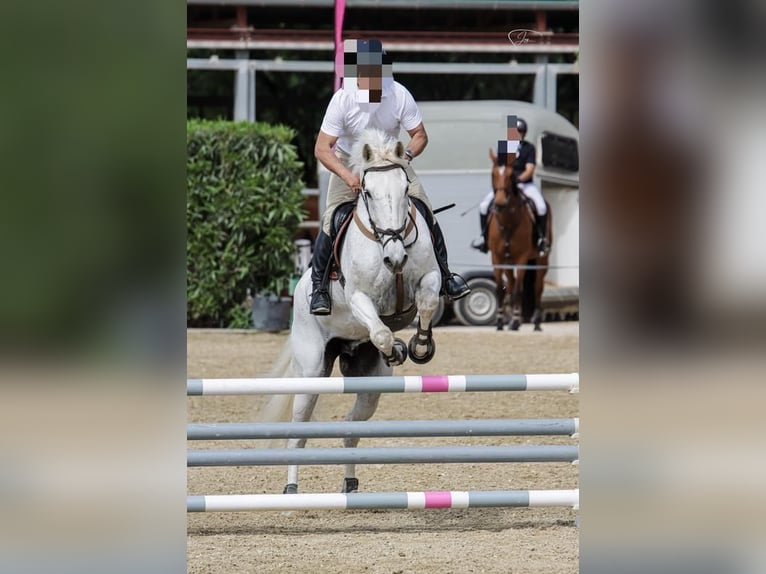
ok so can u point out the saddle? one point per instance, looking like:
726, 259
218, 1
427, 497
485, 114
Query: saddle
343, 215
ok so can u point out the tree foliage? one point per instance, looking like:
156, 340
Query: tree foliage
244, 203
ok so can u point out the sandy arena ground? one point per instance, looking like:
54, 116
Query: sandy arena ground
524, 540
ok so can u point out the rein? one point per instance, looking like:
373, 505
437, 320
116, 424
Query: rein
384, 236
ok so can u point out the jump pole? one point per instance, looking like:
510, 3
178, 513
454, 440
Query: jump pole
405, 384
379, 429
384, 500
389, 455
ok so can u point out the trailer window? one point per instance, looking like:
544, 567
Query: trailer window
560, 152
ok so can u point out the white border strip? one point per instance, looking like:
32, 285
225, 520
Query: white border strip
553, 382
273, 386
555, 498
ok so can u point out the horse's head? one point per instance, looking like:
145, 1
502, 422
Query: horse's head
381, 162
503, 180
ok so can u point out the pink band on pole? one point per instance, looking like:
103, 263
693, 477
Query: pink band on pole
438, 499
435, 383
340, 11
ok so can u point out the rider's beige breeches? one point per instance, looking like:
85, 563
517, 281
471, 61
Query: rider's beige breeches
338, 192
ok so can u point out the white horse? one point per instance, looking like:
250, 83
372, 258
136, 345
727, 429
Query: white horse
390, 272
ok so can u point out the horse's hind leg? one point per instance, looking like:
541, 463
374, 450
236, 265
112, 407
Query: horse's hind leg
421, 346
303, 407
364, 407
537, 316
367, 361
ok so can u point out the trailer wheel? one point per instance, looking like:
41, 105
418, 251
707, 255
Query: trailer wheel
480, 306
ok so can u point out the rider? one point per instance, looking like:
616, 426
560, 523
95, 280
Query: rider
370, 98
524, 166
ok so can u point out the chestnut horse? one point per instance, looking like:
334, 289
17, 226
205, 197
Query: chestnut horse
511, 240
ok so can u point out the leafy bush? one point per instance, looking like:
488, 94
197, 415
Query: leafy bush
244, 203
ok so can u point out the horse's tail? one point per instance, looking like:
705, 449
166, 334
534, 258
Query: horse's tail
279, 408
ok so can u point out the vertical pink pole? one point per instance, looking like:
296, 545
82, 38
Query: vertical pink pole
340, 10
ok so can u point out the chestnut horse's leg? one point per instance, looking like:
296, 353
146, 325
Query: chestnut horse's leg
500, 296
537, 316
516, 293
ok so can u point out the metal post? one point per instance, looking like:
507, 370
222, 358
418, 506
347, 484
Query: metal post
551, 96
251, 93
241, 91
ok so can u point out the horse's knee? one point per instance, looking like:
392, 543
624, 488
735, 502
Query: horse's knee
383, 339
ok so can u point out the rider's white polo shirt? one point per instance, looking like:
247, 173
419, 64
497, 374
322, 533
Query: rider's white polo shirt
345, 120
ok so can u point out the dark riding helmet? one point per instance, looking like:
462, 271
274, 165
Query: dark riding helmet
521, 125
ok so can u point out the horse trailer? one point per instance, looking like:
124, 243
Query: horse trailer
455, 168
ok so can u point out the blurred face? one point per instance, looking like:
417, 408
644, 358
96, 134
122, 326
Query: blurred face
366, 71
371, 78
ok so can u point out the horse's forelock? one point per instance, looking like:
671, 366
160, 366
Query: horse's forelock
382, 148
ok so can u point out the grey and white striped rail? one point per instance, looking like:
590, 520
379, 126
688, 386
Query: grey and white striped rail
389, 455
406, 384
384, 500
378, 429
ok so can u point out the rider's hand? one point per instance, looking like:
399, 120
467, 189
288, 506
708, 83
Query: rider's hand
353, 182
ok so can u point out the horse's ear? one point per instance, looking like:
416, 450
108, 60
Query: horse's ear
400, 150
492, 156
367, 152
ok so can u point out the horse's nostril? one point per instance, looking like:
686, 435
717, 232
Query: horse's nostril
387, 261
404, 260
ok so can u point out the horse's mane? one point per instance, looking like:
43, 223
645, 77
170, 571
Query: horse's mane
383, 149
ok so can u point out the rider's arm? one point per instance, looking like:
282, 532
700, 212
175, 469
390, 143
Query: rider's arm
527, 174
528, 156
419, 139
324, 153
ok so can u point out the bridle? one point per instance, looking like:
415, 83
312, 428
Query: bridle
510, 191
384, 236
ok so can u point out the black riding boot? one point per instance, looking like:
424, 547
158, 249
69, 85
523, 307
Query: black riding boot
541, 221
481, 242
453, 285
484, 234
320, 275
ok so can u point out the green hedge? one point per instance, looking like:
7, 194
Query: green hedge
244, 203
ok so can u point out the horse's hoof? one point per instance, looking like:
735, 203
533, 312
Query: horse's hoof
350, 485
430, 351
499, 326
291, 488
515, 324
538, 328
398, 354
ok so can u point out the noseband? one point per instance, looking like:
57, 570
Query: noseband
384, 236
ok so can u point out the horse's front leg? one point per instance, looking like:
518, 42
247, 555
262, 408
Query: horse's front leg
516, 294
422, 347
500, 296
381, 336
